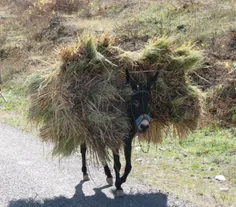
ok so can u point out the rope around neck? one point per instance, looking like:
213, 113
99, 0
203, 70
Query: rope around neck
149, 141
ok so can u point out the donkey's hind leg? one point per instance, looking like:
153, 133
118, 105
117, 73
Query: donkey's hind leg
83, 150
108, 174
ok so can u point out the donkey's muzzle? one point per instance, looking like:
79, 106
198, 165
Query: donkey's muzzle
144, 125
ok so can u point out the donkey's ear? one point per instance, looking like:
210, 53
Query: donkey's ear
152, 80
130, 81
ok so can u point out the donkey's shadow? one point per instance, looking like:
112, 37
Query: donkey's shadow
99, 199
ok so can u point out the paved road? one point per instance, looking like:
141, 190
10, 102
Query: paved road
29, 177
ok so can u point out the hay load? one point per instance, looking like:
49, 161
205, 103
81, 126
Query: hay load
84, 100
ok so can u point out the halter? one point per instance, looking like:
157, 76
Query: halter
141, 91
140, 118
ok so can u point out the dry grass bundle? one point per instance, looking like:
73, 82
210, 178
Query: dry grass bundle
84, 100
81, 101
222, 104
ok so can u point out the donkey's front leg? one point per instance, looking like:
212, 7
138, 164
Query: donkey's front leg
117, 166
128, 151
83, 150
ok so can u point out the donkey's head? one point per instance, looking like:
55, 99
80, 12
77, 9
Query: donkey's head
139, 102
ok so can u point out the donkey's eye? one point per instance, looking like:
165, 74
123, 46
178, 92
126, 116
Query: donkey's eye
136, 103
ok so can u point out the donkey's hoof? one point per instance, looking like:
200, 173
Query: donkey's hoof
110, 181
86, 178
119, 193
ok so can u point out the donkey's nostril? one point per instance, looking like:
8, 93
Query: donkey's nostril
144, 127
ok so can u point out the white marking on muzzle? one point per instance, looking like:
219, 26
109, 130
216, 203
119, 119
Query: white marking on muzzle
144, 122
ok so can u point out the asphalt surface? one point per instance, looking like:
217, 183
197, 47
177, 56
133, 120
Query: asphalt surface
29, 177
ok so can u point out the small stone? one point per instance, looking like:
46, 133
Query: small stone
185, 154
220, 177
140, 160
224, 189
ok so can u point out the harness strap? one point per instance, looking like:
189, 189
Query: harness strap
140, 118
140, 91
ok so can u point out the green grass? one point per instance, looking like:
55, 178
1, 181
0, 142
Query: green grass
14, 111
188, 168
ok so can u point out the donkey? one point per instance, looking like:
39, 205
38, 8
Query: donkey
138, 111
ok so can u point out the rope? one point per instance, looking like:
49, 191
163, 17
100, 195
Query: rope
3, 97
149, 141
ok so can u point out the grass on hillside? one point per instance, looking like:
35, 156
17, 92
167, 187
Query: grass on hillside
200, 21
14, 111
